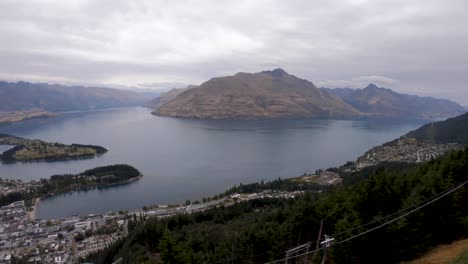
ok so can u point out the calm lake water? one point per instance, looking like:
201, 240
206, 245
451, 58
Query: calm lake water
190, 159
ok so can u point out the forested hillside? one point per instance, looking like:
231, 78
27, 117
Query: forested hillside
262, 230
453, 130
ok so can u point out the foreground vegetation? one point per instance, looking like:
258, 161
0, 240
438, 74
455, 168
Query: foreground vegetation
262, 230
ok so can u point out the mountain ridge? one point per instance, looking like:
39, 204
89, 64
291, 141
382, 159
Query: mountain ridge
19, 96
166, 97
376, 101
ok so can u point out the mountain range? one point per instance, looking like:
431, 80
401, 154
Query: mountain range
277, 94
376, 101
20, 96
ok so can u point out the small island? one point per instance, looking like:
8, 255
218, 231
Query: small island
35, 150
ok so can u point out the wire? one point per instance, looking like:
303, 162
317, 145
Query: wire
395, 213
382, 225
291, 257
241, 258
418, 206
406, 214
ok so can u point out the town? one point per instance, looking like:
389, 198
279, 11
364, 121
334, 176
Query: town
55, 241
71, 239
404, 150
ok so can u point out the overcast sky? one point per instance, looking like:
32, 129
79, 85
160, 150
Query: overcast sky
418, 47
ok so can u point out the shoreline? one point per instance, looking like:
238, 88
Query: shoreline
32, 212
19, 116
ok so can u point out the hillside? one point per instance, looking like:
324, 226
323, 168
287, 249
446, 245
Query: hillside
21, 96
376, 101
166, 97
455, 253
430, 141
453, 130
263, 95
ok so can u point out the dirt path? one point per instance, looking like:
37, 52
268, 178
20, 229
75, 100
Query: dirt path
443, 254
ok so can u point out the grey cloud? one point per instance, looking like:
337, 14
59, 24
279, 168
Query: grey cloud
422, 44
360, 82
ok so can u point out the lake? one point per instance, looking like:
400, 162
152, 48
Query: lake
190, 159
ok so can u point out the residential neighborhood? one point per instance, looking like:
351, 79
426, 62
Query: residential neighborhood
68, 240
54, 241
404, 150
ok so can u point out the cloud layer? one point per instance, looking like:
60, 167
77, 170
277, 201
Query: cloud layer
411, 46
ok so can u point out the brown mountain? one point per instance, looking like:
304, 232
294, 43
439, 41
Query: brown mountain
376, 101
263, 95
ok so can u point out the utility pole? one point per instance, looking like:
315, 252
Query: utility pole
327, 243
298, 241
318, 239
324, 256
306, 255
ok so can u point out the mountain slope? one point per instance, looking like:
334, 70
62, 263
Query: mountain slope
166, 97
376, 101
453, 130
26, 96
263, 95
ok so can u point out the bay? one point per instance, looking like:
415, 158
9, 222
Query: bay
190, 159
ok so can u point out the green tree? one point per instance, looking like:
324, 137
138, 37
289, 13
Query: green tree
171, 253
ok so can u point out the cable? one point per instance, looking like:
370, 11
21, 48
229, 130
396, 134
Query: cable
382, 225
418, 207
410, 212
291, 257
395, 213
259, 255
241, 258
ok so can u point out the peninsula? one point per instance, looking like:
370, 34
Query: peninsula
17, 116
34, 150
31, 191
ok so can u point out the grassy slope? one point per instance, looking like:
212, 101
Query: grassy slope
455, 253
